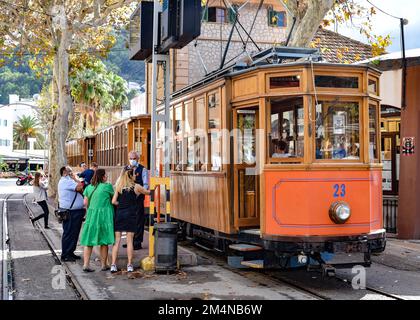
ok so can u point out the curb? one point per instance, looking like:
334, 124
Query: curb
72, 279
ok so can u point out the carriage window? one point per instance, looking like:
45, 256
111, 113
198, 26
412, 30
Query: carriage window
284, 82
287, 129
178, 138
216, 150
247, 121
373, 86
200, 135
337, 82
337, 130
189, 139
373, 125
214, 110
214, 134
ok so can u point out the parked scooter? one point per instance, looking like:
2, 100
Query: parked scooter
25, 179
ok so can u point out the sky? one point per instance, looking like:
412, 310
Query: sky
383, 24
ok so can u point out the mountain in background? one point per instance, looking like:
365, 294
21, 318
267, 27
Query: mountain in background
20, 80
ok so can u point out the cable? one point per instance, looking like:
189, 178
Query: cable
388, 14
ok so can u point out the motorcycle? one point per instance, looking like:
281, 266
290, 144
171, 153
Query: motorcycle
25, 179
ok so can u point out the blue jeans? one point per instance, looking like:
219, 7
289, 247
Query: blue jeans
71, 230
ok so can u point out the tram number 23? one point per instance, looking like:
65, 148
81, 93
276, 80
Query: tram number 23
339, 190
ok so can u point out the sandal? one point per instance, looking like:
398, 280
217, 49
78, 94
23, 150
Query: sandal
105, 268
87, 269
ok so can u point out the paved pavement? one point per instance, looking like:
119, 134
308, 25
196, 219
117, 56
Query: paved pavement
396, 271
205, 281
36, 274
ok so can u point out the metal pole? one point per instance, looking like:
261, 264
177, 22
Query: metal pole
404, 67
154, 87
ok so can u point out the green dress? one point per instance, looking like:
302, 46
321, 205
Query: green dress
98, 229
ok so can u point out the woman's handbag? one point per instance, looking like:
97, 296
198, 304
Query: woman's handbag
64, 214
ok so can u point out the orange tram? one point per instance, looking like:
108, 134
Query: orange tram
278, 164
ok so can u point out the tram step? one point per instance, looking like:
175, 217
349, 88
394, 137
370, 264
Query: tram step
244, 247
256, 264
255, 232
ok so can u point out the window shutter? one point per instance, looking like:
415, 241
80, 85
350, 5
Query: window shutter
232, 14
281, 16
271, 14
205, 16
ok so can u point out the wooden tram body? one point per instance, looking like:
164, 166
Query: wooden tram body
328, 117
310, 132
109, 147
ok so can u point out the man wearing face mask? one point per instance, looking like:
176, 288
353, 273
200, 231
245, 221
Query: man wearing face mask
141, 177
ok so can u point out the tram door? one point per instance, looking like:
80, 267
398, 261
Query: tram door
390, 148
246, 185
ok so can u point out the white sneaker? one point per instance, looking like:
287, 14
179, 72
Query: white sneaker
113, 268
130, 268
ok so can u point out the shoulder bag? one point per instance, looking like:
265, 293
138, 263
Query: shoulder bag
64, 214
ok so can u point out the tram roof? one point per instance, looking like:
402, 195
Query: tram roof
126, 120
234, 71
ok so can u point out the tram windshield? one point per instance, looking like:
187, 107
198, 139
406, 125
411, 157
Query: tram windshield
287, 128
337, 130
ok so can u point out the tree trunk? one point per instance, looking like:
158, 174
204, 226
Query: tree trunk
309, 15
64, 114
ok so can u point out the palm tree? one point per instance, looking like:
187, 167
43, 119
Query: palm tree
96, 90
27, 127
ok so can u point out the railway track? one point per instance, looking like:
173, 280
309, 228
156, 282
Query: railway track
7, 276
283, 279
71, 281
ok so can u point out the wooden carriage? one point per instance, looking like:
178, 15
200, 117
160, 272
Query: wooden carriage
311, 132
109, 147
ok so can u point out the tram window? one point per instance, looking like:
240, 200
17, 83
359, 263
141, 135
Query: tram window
247, 121
189, 126
284, 82
336, 82
178, 138
215, 153
337, 130
178, 119
214, 110
373, 125
373, 86
287, 129
200, 135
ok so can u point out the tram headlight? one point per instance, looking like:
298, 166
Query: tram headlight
340, 212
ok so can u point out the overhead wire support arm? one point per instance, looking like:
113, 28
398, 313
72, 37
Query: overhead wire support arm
222, 63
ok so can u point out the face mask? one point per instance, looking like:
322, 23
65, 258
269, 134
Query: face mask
133, 163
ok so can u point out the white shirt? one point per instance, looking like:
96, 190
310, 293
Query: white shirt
66, 191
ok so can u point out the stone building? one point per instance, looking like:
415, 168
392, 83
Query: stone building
204, 55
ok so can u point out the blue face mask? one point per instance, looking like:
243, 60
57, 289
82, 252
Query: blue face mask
133, 163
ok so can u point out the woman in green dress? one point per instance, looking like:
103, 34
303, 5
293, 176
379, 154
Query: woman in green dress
98, 229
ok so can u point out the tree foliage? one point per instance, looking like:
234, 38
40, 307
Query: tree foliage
310, 14
94, 90
52, 32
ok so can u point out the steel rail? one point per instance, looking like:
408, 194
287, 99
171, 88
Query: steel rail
7, 282
74, 284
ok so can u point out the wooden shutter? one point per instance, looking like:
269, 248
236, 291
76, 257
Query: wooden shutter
206, 13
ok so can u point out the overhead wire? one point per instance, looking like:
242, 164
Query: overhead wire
383, 11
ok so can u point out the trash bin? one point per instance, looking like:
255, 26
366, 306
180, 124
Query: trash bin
166, 246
